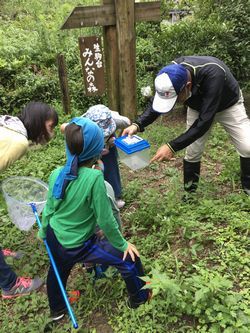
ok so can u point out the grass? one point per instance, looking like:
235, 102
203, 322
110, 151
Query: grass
196, 255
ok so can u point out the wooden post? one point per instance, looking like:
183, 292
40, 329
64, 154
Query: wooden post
63, 79
111, 64
118, 19
126, 48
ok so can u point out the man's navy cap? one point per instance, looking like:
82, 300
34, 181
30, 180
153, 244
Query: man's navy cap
169, 82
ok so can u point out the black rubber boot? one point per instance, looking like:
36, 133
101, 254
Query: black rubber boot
245, 174
191, 173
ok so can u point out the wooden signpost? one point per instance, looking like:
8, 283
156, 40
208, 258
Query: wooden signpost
92, 65
117, 17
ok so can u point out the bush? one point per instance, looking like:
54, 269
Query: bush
219, 29
32, 38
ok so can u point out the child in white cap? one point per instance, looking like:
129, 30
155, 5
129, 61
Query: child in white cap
109, 121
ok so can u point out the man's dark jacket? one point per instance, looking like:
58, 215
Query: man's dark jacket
214, 89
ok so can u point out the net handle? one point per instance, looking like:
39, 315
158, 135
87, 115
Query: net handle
70, 311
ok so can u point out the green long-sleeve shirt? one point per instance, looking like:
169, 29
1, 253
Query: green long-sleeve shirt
85, 204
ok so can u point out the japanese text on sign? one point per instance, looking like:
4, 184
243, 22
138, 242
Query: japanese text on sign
92, 65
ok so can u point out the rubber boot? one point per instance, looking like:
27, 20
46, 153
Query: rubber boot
191, 173
245, 174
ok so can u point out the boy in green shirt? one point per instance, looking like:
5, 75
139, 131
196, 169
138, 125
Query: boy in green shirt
77, 202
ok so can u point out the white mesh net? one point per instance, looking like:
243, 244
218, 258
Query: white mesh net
19, 192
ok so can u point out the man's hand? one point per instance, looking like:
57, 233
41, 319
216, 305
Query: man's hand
132, 251
132, 129
164, 153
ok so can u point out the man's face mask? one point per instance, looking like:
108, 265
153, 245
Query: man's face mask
184, 95
188, 94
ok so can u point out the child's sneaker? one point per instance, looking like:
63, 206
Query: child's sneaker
133, 305
58, 315
12, 254
120, 203
23, 286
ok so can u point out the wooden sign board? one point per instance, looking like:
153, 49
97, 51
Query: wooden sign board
105, 15
92, 65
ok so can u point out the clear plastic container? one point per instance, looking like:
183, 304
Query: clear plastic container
133, 151
19, 192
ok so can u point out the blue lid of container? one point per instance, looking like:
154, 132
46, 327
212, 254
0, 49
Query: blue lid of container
131, 144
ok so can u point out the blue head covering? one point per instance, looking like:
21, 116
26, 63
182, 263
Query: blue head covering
93, 143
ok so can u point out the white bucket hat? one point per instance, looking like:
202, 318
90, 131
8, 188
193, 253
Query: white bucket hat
101, 115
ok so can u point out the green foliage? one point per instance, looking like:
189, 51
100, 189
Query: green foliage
207, 39
238, 46
31, 39
200, 266
196, 254
216, 28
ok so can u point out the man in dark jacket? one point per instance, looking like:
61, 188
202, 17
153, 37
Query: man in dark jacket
212, 94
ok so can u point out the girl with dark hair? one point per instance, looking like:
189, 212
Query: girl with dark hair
77, 202
36, 124
39, 119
